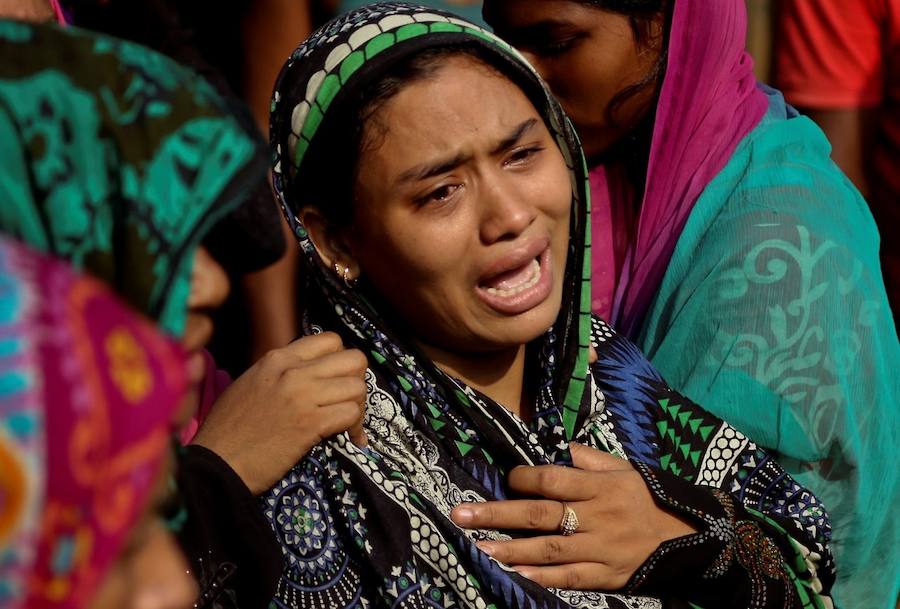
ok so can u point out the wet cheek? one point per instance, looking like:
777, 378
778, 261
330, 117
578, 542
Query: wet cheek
556, 191
430, 252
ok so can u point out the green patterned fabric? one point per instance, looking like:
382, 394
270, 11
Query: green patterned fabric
773, 313
116, 159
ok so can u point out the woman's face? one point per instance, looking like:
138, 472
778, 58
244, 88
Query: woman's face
150, 571
209, 289
462, 211
587, 56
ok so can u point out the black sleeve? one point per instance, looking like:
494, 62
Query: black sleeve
231, 547
763, 540
736, 556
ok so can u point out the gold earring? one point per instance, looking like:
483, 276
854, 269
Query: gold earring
344, 273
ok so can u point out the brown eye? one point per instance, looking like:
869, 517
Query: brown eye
439, 195
555, 46
523, 155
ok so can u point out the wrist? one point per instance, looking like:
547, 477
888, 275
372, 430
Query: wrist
229, 459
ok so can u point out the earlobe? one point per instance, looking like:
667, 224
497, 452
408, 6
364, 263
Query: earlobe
330, 244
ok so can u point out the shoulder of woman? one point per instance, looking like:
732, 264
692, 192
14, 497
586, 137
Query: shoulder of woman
781, 180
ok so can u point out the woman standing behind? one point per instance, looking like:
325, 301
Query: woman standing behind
730, 246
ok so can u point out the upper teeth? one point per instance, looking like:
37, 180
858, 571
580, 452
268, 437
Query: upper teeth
535, 268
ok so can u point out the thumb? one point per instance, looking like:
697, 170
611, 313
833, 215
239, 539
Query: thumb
358, 434
592, 355
591, 459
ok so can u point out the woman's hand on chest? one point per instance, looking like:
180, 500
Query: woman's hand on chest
619, 524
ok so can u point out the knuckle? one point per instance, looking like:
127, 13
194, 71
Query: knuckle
359, 390
487, 514
535, 515
552, 550
293, 376
619, 579
330, 340
358, 359
548, 479
572, 579
271, 358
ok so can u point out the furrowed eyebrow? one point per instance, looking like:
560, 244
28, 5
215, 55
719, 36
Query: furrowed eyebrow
513, 138
423, 172
429, 170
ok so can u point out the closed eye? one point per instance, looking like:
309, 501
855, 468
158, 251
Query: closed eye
555, 48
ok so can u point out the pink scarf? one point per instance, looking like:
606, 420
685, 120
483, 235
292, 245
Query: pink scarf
86, 407
709, 102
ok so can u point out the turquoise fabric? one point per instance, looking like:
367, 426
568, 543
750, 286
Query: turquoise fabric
470, 12
773, 314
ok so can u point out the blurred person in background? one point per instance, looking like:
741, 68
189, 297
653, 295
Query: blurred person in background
237, 46
89, 401
92, 394
839, 63
129, 167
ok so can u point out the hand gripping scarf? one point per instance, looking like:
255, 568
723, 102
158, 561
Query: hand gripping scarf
364, 527
87, 395
116, 159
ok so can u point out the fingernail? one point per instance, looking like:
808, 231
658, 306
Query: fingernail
524, 572
486, 547
463, 515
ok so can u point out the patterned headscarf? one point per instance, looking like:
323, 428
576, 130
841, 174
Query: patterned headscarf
116, 159
350, 54
87, 396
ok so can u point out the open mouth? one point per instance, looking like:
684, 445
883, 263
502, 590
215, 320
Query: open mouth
516, 281
521, 288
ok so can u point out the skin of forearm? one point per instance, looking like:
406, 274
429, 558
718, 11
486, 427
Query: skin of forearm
272, 29
850, 133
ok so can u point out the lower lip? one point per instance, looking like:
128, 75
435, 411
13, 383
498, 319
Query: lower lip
526, 300
196, 368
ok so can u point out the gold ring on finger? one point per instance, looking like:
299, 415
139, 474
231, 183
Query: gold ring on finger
569, 523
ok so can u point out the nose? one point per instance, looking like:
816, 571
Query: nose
506, 211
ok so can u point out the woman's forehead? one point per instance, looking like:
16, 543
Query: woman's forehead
462, 102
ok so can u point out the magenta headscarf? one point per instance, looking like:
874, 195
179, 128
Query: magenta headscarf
709, 102
88, 390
